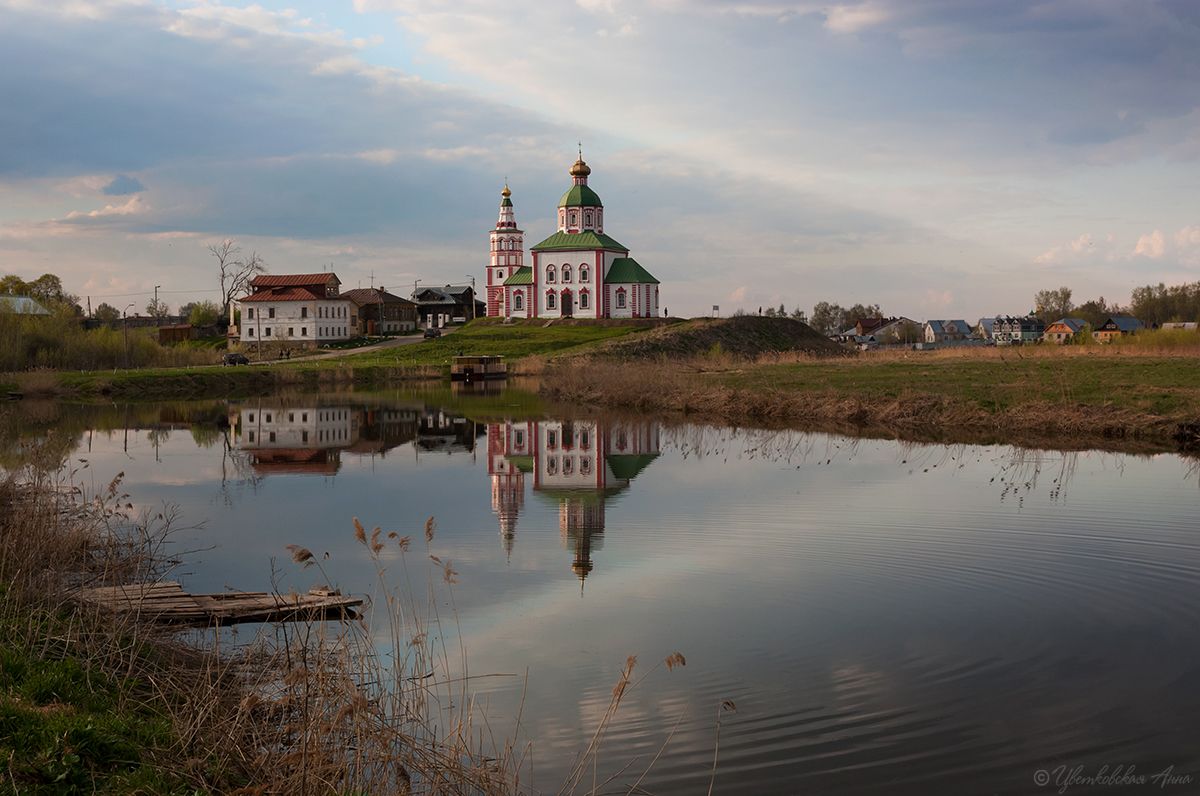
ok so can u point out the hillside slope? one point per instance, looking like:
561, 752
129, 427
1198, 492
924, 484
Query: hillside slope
744, 336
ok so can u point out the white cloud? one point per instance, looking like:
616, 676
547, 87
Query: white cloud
1151, 245
133, 206
1082, 246
855, 18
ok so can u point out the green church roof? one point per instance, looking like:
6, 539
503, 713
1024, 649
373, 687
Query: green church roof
580, 196
576, 241
627, 466
625, 271
506, 202
521, 276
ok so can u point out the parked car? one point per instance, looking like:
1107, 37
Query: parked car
234, 358
432, 332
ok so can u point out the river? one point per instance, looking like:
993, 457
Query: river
876, 616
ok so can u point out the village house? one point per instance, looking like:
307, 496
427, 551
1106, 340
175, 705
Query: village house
380, 312
578, 272
1063, 330
1010, 330
984, 329
1117, 326
294, 310
442, 306
946, 331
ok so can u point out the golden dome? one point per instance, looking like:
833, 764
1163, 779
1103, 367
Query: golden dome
506, 193
579, 169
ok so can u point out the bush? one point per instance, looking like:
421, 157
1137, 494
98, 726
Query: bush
60, 342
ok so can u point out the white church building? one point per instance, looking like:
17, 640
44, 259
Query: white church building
578, 272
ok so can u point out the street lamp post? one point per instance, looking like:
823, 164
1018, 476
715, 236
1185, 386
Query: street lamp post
157, 312
414, 295
472, 278
125, 330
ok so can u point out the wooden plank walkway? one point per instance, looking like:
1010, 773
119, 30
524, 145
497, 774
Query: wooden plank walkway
167, 602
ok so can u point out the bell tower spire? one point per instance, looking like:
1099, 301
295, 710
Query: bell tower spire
507, 244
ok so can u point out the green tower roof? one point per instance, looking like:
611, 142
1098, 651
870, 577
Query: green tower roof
580, 196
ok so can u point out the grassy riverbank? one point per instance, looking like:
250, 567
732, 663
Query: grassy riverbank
1091, 394
418, 361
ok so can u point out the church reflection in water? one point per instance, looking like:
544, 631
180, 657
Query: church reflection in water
581, 464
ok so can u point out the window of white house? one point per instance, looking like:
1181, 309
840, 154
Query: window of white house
585, 465
291, 331
621, 299
250, 332
583, 273
551, 301
304, 312
304, 331
250, 313
583, 299
270, 312
551, 465
267, 332
566, 273
568, 465
550, 273
518, 302
519, 439
551, 439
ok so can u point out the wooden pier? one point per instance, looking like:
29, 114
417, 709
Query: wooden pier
167, 602
478, 368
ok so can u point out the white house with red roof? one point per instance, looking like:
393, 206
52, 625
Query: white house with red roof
303, 310
578, 272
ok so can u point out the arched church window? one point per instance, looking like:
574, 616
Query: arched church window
551, 300
621, 298
583, 272
518, 301
583, 299
574, 218
550, 273
566, 273
587, 218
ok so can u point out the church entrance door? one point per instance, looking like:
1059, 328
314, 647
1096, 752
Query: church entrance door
567, 304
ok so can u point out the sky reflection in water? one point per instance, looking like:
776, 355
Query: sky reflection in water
888, 618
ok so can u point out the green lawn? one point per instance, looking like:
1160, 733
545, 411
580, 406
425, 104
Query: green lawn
1157, 385
486, 337
66, 729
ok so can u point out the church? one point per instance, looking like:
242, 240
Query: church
578, 272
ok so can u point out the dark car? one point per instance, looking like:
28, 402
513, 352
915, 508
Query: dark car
234, 358
432, 332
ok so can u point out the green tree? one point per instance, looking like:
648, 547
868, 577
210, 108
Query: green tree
107, 313
1050, 305
828, 319
201, 313
157, 308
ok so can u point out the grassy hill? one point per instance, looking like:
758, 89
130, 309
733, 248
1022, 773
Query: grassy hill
744, 336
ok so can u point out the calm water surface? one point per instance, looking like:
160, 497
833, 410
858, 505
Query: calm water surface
887, 617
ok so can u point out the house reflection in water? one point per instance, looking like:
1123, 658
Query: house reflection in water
280, 437
581, 464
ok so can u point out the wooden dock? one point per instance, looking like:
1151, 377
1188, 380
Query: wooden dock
167, 602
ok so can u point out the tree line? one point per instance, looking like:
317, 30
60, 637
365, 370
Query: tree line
1153, 305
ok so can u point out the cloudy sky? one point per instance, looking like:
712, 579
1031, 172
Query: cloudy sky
946, 159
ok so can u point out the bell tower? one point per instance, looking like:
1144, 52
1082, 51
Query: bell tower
507, 253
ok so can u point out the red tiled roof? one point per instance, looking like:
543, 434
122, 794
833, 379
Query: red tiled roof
285, 294
293, 280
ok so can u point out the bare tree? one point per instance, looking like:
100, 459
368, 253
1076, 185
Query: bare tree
235, 272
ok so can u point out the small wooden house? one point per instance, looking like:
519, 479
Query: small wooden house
1063, 330
1117, 326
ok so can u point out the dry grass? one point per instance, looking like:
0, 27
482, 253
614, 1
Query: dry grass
368, 705
1033, 395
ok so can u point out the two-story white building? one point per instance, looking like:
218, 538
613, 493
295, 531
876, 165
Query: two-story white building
289, 310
